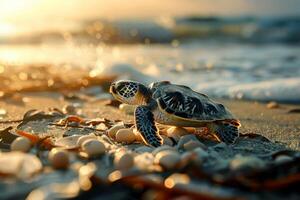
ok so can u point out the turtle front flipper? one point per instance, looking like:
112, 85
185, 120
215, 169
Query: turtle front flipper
226, 130
145, 124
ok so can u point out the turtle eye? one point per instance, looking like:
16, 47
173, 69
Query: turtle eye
120, 86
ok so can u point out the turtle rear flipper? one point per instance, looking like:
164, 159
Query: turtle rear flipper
145, 124
226, 131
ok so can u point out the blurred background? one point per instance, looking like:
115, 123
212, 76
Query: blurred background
244, 49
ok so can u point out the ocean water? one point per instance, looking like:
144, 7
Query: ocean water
242, 59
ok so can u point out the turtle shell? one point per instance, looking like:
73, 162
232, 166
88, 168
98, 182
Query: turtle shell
182, 102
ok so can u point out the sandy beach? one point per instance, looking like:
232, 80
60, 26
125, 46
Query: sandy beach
266, 133
277, 124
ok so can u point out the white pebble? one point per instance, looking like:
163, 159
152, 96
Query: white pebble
59, 158
21, 144
283, 159
123, 160
241, 162
125, 135
186, 138
167, 159
93, 147
177, 131
113, 130
84, 138
191, 145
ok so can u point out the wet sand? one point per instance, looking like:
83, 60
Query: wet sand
276, 124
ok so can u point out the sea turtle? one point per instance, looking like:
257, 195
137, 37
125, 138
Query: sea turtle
175, 105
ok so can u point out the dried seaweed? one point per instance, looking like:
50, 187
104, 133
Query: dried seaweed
34, 115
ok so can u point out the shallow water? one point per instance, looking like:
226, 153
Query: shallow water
228, 69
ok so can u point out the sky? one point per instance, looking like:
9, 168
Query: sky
23, 10
23, 15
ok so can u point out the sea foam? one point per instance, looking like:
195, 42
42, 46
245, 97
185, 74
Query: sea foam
282, 90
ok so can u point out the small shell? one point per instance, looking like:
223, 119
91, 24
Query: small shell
124, 160
125, 135
84, 138
59, 158
128, 109
113, 130
21, 144
93, 147
167, 159
70, 142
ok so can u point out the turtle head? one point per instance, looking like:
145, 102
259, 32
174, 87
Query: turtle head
130, 92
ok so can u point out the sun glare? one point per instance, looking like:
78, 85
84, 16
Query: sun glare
11, 9
7, 30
